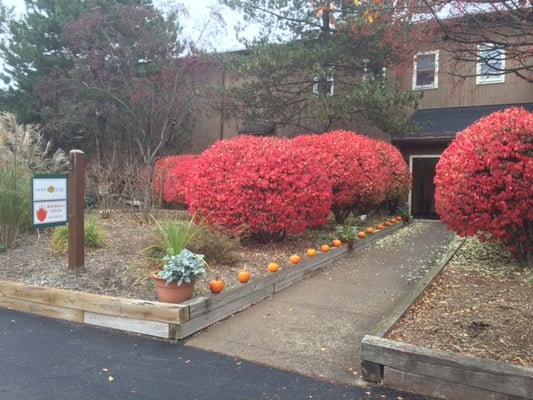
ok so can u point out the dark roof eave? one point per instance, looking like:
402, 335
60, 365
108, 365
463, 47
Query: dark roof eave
445, 122
422, 140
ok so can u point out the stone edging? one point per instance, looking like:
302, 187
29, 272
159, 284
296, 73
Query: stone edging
169, 321
438, 373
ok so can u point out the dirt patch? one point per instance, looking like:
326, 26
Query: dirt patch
120, 270
481, 305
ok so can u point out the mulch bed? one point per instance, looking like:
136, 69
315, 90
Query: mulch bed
481, 305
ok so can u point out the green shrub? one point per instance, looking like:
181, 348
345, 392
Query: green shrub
173, 235
218, 247
15, 216
94, 237
23, 152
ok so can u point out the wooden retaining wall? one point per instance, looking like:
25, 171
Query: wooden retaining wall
436, 373
444, 374
169, 321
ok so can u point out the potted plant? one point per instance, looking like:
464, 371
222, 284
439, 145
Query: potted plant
175, 282
180, 266
403, 211
347, 233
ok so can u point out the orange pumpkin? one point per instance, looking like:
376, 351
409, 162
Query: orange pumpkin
273, 267
336, 243
244, 276
379, 226
324, 248
295, 259
311, 252
393, 220
370, 230
399, 218
361, 235
386, 223
216, 285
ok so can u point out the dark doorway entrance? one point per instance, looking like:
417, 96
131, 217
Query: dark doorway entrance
423, 193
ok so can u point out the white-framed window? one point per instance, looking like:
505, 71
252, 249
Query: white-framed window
426, 70
490, 64
329, 82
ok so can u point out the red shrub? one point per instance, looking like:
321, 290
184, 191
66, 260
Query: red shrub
484, 181
397, 176
174, 184
162, 169
260, 186
354, 168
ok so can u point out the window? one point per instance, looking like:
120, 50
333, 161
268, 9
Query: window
324, 86
425, 71
490, 65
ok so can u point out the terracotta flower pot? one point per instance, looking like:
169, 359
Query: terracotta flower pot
172, 293
349, 242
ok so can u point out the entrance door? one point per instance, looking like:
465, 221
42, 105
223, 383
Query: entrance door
422, 197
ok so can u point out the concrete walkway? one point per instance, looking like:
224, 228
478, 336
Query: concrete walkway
315, 327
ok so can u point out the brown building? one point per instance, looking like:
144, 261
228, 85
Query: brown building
455, 94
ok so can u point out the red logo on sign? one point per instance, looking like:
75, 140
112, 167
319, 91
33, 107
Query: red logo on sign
41, 214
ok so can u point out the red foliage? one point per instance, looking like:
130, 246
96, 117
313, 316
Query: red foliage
164, 169
174, 176
342, 166
398, 179
265, 187
483, 181
363, 171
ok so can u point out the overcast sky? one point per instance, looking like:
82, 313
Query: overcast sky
201, 27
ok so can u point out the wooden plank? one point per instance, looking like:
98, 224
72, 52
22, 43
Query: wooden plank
427, 386
253, 291
130, 308
472, 371
256, 290
152, 328
45, 310
198, 305
386, 324
205, 320
322, 261
249, 293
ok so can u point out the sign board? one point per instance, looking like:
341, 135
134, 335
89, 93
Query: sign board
49, 200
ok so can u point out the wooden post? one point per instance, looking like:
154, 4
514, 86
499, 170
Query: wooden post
76, 232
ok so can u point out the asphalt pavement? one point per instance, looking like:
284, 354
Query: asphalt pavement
46, 359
